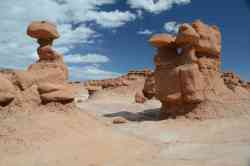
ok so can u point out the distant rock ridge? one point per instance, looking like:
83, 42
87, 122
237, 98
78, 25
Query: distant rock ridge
119, 81
188, 71
132, 78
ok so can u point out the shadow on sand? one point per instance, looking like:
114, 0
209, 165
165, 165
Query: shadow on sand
147, 115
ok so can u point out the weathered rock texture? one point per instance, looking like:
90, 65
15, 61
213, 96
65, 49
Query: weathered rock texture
149, 89
187, 70
233, 81
44, 81
140, 98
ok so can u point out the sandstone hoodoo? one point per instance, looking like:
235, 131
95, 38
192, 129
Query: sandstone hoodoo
187, 73
46, 33
44, 81
50, 66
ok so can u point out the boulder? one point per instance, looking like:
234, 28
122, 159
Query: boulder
41, 73
6, 98
28, 98
60, 96
119, 120
43, 30
50, 87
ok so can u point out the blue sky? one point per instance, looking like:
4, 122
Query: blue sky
105, 38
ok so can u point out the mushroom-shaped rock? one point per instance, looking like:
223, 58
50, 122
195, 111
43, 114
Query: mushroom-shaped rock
162, 40
187, 35
43, 30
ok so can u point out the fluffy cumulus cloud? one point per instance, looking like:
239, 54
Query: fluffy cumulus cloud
17, 50
111, 19
91, 72
171, 27
86, 59
145, 32
156, 6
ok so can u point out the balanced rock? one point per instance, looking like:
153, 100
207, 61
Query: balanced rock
43, 30
50, 67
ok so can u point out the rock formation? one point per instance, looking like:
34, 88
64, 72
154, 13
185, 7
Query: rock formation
43, 82
188, 70
126, 86
138, 74
107, 83
119, 81
7, 91
50, 66
232, 81
149, 86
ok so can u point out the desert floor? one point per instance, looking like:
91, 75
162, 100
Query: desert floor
88, 137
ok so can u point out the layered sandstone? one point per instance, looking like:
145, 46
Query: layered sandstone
188, 71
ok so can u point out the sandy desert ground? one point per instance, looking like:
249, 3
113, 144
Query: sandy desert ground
87, 136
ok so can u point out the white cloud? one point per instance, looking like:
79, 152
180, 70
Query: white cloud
17, 50
91, 73
156, 7
111, 19
85, 59
70, 37
171, 27
145, 32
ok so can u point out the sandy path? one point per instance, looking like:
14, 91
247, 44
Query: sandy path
89, 138
181, 142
